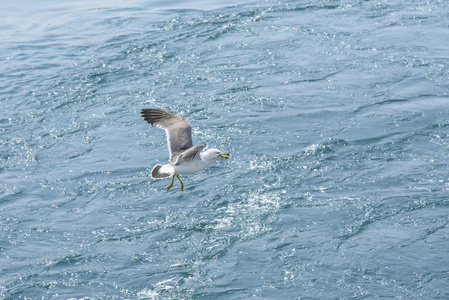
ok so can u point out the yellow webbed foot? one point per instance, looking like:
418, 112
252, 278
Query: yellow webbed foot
172, 181
182, 184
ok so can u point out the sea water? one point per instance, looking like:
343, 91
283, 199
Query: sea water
335, 113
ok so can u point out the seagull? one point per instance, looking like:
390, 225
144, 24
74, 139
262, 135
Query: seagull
184, 157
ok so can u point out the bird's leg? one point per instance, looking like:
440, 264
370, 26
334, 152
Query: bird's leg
182, 184
172, 180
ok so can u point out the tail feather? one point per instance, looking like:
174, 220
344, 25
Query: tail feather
161, 171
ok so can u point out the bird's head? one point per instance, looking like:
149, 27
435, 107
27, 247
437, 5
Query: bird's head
214, 155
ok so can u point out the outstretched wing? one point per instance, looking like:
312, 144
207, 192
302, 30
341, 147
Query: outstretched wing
177, 129
192, 153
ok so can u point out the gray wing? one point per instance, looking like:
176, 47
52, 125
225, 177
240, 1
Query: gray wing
192, 153
177, 129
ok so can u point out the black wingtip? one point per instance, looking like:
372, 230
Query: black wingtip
152, 115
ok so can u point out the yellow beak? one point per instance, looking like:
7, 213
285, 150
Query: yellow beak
224, 155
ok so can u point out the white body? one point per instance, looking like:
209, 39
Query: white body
195, 165
190, 167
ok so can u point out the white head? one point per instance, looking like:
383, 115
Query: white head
213, 155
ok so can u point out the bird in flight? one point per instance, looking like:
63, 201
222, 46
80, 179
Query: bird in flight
184, 157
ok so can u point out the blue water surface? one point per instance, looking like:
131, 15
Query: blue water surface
335, 112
